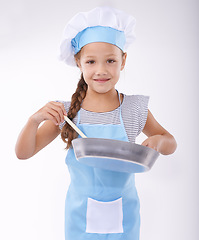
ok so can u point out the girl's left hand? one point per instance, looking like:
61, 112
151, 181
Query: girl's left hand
153, 142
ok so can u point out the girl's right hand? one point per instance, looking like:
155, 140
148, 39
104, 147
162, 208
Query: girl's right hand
53, 111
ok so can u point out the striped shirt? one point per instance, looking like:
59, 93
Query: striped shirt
134, 110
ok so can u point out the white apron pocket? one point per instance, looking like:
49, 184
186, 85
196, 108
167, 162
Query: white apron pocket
104, 217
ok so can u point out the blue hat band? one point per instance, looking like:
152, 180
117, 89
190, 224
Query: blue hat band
98, 34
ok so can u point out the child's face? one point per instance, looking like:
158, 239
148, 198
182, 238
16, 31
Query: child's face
101, 64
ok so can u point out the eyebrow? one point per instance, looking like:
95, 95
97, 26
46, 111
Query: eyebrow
107, 55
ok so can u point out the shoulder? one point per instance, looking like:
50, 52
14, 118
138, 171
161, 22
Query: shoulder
135, 111
135, 100
135, 97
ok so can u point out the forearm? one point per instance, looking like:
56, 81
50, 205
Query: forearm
26, 143
158, 137
32, 138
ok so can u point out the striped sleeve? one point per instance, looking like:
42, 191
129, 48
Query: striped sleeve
66, 106
142, 102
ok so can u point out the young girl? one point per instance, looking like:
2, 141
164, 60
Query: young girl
100, 204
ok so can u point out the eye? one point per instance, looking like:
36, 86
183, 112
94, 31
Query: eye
90, 62
111, 61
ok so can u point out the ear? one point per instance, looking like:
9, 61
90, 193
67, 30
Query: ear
123, 61
77, 60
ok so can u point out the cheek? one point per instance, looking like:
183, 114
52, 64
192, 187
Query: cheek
86, 72
116, 70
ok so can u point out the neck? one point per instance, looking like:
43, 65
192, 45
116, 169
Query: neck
101, 102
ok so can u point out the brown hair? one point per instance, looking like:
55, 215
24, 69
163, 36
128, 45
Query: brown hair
67, 131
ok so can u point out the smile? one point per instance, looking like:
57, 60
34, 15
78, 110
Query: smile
102, 80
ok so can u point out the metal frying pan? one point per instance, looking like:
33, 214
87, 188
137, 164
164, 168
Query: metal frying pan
111, 154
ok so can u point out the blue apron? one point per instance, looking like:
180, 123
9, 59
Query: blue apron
101, 204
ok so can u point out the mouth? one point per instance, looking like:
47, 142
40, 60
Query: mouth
102, 80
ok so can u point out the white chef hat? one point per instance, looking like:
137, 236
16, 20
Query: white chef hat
101, 24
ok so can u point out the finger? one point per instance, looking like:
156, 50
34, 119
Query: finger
61, 105
51, 118
61, 110
151, 146
145, 143
54, 114
58, 109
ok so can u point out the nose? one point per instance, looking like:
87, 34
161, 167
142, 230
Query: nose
101, 69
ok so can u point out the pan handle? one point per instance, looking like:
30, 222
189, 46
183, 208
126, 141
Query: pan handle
74, 127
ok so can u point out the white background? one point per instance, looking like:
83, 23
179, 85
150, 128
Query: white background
162, 63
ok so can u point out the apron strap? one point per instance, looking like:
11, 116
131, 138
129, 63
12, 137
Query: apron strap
120, 108
78, 117
119, 97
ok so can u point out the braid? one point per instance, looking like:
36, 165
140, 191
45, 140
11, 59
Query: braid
67, 131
